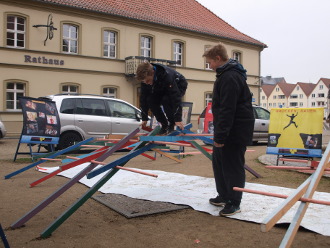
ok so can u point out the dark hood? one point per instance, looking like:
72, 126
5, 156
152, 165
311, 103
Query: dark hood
232, 65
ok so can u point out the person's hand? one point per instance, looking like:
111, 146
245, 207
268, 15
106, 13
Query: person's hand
217, 144
180, 125
144, 123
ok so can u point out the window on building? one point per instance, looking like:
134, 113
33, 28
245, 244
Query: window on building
274, 104
178, 53
281, 96
146, 46
237, 56
298, 88
274, 97
264, 105
110, 92
70, 38
313, 104
293, 104
110, 44
263, 97
301, 96
208, 98
207, 65
321, 95
14, 90
16, 27
313, 95
293, 96
301, 104
277, 89
70, 89
321, 87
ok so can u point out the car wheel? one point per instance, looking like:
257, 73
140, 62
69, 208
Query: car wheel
68, 139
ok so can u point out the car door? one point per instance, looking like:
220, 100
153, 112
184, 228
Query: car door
92, 118
261, 124
124, 117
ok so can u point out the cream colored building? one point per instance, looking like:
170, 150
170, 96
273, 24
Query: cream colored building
299, 95
51, 47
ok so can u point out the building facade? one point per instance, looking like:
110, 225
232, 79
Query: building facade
299, 95
91, 47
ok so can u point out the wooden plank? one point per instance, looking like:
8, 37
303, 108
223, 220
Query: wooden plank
199, 148
68, 166
316, 177
70, 183
167, 155
303, 199
281, 210
50, 156
48, 231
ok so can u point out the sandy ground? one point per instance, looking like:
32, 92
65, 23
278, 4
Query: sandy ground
95, 225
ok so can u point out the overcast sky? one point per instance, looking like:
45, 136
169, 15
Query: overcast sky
297, 33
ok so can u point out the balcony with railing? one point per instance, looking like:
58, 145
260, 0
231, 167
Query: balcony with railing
132, 62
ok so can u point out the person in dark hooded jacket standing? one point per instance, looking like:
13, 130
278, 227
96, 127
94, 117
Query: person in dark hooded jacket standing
233, 121
161, 86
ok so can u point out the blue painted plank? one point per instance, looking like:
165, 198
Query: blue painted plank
50, 156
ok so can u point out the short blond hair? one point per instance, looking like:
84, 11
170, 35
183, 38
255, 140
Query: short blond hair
217, 50
143, 70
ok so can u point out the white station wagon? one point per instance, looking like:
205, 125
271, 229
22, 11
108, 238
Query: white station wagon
86, 116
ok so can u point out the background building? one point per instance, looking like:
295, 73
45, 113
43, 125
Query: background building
299, 95
93, 47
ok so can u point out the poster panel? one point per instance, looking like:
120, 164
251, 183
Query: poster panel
41, 123
295, 132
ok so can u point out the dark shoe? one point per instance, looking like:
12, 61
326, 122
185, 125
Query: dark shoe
163, 131
218, 201
229, 209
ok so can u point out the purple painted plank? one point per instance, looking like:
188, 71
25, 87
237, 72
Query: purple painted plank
75, 179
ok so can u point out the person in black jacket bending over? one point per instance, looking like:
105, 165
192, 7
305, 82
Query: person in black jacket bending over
161, 85
233, 121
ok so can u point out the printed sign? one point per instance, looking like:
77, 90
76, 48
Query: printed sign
295, 131
41, 123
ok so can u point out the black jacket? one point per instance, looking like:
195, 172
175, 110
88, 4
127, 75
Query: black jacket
167, 83
232, 110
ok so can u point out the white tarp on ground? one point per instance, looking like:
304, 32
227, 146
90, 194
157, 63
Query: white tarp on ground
195, 191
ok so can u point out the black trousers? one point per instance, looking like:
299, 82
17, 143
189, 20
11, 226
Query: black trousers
228, 168
155, 103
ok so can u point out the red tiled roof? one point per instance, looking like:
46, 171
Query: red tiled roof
326, 81
268, 88
286, 88
183, 14
307, 88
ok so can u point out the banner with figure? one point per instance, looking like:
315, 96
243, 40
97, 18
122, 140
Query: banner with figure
41, 123
296, 132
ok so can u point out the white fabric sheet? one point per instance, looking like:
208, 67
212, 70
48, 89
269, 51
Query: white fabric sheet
195, 191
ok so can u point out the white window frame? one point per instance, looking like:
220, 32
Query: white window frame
146, 46
16, 32
16, 92
110, 92
110, 44
72, 38
178, 52
72, 89
237, 56
208, 97
320, 86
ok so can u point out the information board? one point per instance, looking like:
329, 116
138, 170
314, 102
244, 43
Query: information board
41, 123
296, 132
